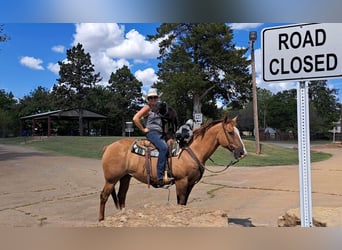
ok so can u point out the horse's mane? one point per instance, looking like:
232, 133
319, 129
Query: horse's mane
203, 129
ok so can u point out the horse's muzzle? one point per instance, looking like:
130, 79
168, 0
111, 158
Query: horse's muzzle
239, 154
242, 156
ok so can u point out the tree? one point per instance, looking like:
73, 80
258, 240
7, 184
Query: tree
3, 37
77, 77
282, 112
200, 64
324, 103
264, 99
126, 97
8, 114
38, 101
324, 100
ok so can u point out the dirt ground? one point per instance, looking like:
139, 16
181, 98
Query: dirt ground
40, 189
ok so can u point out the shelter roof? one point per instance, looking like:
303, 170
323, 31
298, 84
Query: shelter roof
71, 113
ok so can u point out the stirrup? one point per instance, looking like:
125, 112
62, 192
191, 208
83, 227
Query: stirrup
165, 183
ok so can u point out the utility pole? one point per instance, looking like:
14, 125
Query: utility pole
252, 39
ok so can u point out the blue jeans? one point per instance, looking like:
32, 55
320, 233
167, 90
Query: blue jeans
155, 138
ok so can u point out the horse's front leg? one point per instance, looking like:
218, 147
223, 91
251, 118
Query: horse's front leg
182, 187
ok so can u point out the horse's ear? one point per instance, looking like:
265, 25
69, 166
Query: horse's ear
234, 120
225, 119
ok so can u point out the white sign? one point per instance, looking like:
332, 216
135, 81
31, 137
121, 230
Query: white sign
303, 51
198, 117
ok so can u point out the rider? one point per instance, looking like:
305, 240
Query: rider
154, 131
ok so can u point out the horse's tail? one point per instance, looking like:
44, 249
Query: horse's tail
115, 198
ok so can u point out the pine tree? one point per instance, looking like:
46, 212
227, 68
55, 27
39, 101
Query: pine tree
77, 77
126, 96
200, 62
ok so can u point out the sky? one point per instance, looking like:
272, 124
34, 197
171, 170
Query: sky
30, 58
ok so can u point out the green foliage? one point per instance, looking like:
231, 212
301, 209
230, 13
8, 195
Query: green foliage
200, 64
282, 113
199, 67
126, 98
3, 36
77, 77
324, 108
8, 115
38, 101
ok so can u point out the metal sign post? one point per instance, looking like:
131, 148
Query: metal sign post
304, 154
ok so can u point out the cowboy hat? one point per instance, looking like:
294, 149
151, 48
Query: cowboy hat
152, 92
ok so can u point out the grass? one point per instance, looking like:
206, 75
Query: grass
91, 147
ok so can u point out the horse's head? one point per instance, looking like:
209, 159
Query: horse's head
230, 138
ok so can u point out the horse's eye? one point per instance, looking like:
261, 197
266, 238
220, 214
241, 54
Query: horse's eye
231, 133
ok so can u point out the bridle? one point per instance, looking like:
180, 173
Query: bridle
202, 166
230, 147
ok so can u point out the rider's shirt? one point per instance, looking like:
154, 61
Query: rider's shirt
153, 121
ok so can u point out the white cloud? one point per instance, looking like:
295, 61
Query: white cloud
58, 48
276, 87
107, 65
147, 77
31, 62
110, 48
97, 37
135, 47
53, 67
244, 26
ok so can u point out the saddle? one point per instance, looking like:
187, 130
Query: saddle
146, 148
140, 147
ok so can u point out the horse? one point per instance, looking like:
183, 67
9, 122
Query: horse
120, 164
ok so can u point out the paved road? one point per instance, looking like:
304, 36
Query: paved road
48, 189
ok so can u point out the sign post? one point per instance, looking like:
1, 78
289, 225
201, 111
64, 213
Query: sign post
304, 153
298, 53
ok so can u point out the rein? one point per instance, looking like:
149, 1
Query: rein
231, 163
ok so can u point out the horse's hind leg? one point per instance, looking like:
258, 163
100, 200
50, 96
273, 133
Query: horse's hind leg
124, 185
115, 198
106, 191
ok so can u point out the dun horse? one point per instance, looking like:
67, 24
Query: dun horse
120, 164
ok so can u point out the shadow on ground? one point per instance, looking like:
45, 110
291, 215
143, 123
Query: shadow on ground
240, 222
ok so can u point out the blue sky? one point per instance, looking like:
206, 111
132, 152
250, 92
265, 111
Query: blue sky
30, 58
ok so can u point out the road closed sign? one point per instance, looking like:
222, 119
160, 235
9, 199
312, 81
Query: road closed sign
302, 52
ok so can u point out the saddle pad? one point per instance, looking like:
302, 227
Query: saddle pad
140, 146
